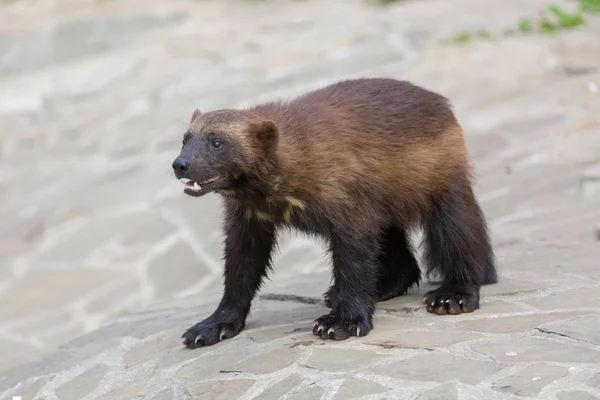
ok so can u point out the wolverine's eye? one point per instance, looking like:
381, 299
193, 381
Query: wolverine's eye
217, 144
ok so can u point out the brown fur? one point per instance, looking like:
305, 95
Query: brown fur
355, 149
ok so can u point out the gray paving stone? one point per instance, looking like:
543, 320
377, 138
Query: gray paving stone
61, 360
47, 290
404, 304
31, 389
282, 387
125, 288
537, 350
270, 333
511, 287
588, 297
219, 390
54, 338
150, 230
387, 337
519, 323
338, 360
447, 391
490, 307
270, 361
205, 367
79, 244
267, 313
155, 348
74, 39
436, 366
595, 381
591, 180
127, 392
83, 384
404, 321
529, 381
176, 270
18, 353
312, 391
576, 395
166, 394
357, 388
582, 328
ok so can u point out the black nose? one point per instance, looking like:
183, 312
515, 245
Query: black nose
181, 164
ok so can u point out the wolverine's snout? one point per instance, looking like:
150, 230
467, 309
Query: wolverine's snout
181, 164
197, 181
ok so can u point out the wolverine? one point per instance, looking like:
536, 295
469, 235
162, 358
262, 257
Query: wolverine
359, 163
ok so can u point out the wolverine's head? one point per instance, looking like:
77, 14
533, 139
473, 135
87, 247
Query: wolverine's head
222, 147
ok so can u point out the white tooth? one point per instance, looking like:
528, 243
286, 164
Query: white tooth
197, 187
184, 180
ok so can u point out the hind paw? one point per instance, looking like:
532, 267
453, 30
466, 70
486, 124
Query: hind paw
452, 299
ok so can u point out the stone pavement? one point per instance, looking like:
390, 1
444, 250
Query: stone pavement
104, 262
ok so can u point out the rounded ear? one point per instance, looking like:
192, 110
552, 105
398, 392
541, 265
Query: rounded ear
266, 131
195, 115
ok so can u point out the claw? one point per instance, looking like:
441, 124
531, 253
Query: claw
358, 331
198, 338
330, 331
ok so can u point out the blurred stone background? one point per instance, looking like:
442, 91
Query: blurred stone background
95, 96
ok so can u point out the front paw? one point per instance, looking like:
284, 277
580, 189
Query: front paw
332, 327
453, 299
211, 331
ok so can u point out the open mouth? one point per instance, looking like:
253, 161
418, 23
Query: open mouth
194, 188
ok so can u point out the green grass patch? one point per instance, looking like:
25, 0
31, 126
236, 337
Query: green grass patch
484, 35
564, 20
462, 37
551, 20
589, 5
525, 25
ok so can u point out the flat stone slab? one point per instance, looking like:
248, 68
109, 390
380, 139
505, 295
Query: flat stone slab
447, 391
583, 328
438, 366
529, 381
576, 395
536, 349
